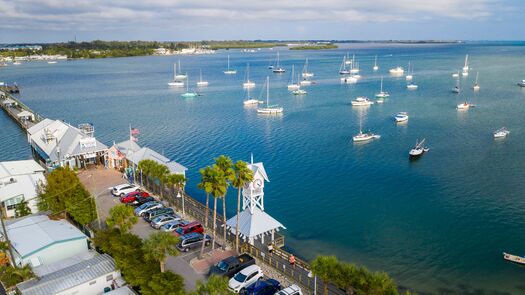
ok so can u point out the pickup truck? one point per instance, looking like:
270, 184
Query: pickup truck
230, 266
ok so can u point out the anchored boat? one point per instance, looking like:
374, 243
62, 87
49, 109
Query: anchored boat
514, 258
401, 117
418, 150
501, 133
361, 101
269, 109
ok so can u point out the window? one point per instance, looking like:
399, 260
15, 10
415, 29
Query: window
109, 278
93, 282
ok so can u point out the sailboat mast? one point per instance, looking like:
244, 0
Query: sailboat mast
267, 90
278, 59
293, 73
228, 62
375, 62
200, 74
466, 60
381, 84
248, 72
174, 71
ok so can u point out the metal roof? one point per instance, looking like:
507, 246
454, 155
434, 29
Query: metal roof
127, 146
254, 225
16, 168
69, 277
146, 153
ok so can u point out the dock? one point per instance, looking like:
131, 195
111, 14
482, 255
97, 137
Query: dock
16, 109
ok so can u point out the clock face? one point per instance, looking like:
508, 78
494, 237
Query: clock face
247, 185
258, 183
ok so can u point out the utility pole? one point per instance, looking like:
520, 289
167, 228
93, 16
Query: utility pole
12, 258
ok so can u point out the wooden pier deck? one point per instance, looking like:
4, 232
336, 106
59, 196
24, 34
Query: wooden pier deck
13, 107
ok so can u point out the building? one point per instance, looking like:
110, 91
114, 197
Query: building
145, 153
96, 275
55, 143
20, 181
37, 240
116, 156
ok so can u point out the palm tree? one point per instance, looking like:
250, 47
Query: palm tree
218, 186
380, 283
146, 166
225, 164
215, 285
324, 267
243, 175
205, 185
159, 245
161, 172
121, 217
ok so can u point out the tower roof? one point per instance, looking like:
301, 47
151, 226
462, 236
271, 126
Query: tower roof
259, 168
254, 225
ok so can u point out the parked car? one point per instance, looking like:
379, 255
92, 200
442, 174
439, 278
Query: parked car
151, 214
266, 287
147, 206
132, 197
159, 221
292, 290
192, 227
123, 189
141, 200
245, 278
173, 225
192, 241
231, 265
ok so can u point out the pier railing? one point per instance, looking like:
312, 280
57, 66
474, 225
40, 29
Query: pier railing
17, 108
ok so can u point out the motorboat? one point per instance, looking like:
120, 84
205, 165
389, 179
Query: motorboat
382, 94
277, 68
248, 83
229, 71
514, 258
306, 73
501, 133
361, 101
360, 137
269, 109
418, 150
299, 92
464, 106
411, 86
522, 83
401, 117
397, 71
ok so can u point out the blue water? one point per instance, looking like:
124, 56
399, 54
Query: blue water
437, 225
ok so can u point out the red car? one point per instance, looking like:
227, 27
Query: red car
132, 197
192, 227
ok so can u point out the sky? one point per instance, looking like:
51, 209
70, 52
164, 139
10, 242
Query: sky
185, 20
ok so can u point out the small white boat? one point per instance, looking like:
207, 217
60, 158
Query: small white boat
360, 137
348, 61
397, 71
361, 101
201, 83
457, 88
455, 75
376, 67
465, 67
411, 86
464, 106
476, 85
356, 76
401, 117
514, 258
306, 73
501, 133
180, 76
17, 63
354, 69
409, 75
52, 62
382, 94
299, 92
522, 83
418, 150
248, 83
176, 82
229, 71
277, 68
269, 109
305, 82
293, 86
342, 68
249, 101
349, 80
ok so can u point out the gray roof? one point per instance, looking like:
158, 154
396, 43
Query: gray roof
127, 146
16, 168
69, 277
149, 154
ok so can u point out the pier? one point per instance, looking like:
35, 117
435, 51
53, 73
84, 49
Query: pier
16, 109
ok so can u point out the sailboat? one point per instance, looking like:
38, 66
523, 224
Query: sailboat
348, 61
176, 82
376, 67
476, 85
455, 75
355, 66
456, 88
411, 86
299, 91
464, 106
180, 76
465, 67
249, 101
342, 69
201, 83
360, 137
305, 73
269, 109
278, 69
418, 150
188, 93
248, 83
382, 94
230, 71
292, 85
409, 75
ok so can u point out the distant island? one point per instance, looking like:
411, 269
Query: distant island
313, 46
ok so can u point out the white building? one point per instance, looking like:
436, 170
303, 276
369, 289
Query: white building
20, 181
145, 153
55, 143
37, 240
93, 276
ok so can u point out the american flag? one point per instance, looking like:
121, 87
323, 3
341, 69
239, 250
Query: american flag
135, 131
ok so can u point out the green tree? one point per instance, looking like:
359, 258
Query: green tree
159, 245
164, 283
205, 185
146, 166
22, 209
177, 181
243, 176
225, 164
122, 217
324, 267
215, 285
11, 276
160, 172
64, 193
218, 186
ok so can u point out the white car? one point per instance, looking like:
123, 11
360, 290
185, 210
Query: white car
292, 290
245, 278
123, 189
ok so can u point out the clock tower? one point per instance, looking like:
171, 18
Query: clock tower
253, 192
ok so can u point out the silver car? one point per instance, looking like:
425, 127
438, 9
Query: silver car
159, 221
173, 225
147, 207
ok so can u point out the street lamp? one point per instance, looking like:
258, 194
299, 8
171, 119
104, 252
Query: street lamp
311, 275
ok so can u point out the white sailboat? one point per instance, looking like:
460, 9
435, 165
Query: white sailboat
476, 85
361, 101
401, 117
250, 101
180, 76
456, 88
355, 66
465, 67
342, 68
411, 86
278, 69
188, 93
455, 75
348, 61
176, 82
230, 71
269, 109
201, 82
305, 73
409, 75
376, 67
418, 150
293, 86
248, 83
361, 137
349, 80
382, 94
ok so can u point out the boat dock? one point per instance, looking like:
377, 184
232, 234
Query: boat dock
16, 109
